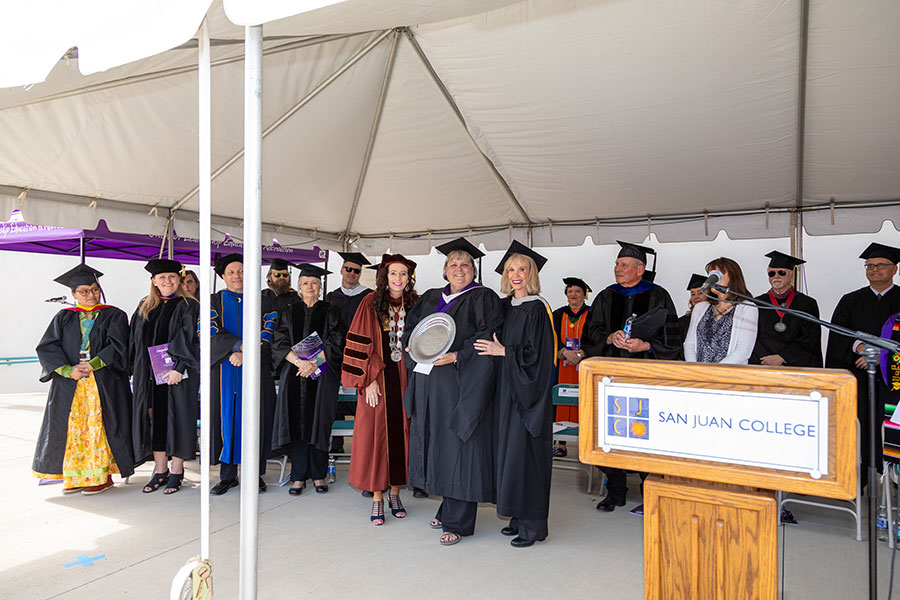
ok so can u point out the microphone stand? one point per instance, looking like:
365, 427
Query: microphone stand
872, 351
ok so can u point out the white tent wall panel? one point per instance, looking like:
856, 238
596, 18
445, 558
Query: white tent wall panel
853, 101
643, 108
425, 172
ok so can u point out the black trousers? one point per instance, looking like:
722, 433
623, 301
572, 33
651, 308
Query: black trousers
229, 471
616, 489
307, 462
530, 529
457, 516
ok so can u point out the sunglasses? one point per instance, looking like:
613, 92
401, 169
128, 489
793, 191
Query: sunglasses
781, 272
352, 270
281, 275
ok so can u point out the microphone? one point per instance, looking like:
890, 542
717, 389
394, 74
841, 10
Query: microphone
714, 278
58, 299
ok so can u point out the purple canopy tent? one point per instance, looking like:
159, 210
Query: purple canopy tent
19, 236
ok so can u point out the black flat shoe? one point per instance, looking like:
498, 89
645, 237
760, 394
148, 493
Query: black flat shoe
609, 505
321, 489
223, 486
509, 531
367, 494
174, 483
296, 491
262, 485
518, 542
155, 482
419, 493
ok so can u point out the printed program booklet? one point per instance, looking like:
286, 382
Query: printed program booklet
161, 363
310, 348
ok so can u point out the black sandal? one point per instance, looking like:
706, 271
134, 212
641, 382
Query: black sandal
377, 516
396, 506
156, 482
174, 483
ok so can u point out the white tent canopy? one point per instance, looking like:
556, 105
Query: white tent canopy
551, 119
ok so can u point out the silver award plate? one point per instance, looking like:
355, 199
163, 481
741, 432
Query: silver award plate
432, 337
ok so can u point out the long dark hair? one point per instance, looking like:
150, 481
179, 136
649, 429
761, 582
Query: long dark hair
381, 297
735, 277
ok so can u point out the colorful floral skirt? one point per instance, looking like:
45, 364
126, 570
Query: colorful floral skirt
88, 460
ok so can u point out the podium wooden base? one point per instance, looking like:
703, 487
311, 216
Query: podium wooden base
707, 540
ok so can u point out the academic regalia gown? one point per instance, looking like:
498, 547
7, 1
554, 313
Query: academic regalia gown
305, 407
225, 379
861, 310
800, 345
524, 404
60, 346
280, 301
452, 429
566, 328
380, 451
612, 308
684, 323
346, 305
184, 348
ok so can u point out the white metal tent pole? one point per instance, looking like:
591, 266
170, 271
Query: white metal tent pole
204, 165
250, 371
797, 215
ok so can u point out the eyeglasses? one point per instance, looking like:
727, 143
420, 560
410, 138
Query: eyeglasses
280, 275
352, 270
878, 266
780, 272
89, 292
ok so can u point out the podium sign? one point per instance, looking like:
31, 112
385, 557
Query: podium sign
778, 431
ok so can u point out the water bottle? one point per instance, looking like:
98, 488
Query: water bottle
626, 329
331, 472
882, 524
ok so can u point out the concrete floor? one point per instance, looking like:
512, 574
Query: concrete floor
322, 546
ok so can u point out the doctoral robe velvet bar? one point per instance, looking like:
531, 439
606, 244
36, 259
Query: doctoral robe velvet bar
60, 346
452, 430
525, 411
183, 398
305, 407
380, 453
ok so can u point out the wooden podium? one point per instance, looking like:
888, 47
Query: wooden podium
710, 521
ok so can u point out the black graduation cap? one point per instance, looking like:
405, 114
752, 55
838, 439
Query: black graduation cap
876, 250
461, 244
355, 257
80, 275
155, 266
635, 251
310, 270
518, 247
223, 262
696, 281
576, 281
279, 264
780, 260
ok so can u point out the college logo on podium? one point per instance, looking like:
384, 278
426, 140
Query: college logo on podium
628, 417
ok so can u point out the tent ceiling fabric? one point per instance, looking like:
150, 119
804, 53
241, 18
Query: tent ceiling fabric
678, 118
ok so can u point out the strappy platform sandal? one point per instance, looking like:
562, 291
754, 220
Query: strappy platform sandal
156, 482
174, 483
377, 517
396, 506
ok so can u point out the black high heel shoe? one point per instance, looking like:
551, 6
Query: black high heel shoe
377, 517
396, 506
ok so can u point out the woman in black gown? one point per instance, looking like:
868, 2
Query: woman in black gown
307, 402
526, 373
165, 398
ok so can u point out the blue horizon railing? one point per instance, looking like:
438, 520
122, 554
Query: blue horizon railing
17, 360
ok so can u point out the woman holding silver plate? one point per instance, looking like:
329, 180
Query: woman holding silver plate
373, 365
450, 396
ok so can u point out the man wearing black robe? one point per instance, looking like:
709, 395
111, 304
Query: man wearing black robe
60, 354
866, 309
452, 427
226, 358
783, 339
347, 298
632, 294
279, 288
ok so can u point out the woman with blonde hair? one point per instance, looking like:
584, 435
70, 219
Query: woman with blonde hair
723, 329
527, 351
165, 362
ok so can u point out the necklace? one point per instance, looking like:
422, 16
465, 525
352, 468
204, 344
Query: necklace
395, 332
724, 311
